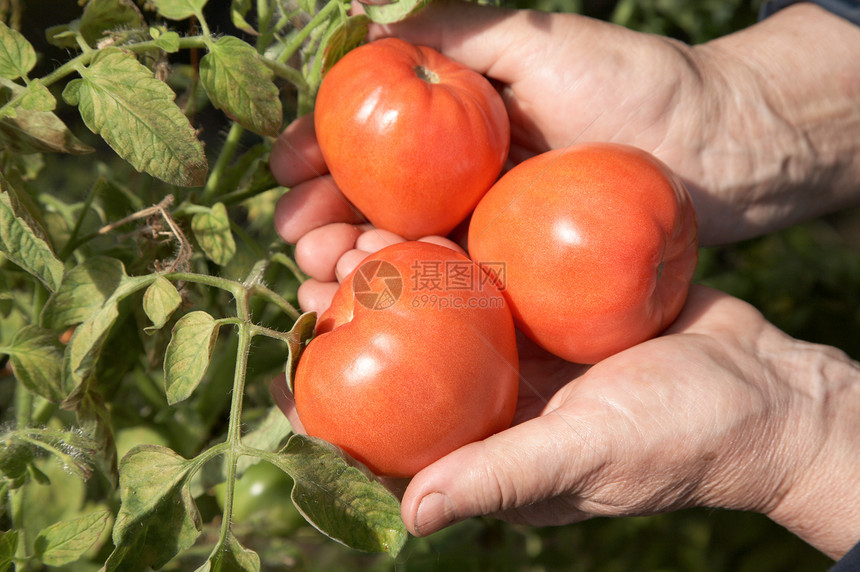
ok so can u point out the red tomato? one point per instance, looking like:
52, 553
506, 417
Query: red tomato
412, 138
599, 244
415, 357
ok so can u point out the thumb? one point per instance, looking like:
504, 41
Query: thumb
484, 38
524, 465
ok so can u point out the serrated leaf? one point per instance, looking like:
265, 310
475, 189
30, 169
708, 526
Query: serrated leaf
8, 547
393, 12
160, 300
239, 84
66, 541
299, 336
17, 56
32, 131
179, 9
212, 231
231, 556
157, 516
342, 501
99, 17
121, 100
188, 354
349, 34
36, 356
23, 242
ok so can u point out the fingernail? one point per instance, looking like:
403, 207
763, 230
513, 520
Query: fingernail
435, 512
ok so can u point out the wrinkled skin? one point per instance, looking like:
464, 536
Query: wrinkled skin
722, 410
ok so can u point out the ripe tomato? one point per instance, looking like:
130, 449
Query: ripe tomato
415, 357
599, 243
412, 138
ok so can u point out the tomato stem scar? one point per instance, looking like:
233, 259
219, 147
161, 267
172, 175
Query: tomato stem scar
427, 75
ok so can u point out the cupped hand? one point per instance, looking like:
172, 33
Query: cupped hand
704, 415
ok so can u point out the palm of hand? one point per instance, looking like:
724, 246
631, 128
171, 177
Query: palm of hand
657, 427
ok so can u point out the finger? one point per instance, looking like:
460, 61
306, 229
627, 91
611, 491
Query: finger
442, 241
310, 205
376, 239
479, 37
315, 296
494, 475
348, 262
296, 155
318, 251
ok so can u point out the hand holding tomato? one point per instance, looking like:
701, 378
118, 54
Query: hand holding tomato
415, 357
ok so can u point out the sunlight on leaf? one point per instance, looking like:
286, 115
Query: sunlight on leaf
67, 541
179, 9
22, 242
160, 300
188, 354
239, 84
17, 56
342, 501
134, 112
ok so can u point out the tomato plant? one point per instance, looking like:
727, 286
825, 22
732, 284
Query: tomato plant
406, 130
599, 243
415, 357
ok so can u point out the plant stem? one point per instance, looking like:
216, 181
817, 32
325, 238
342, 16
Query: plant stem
224, 158
234, 427
71, 243
297, 40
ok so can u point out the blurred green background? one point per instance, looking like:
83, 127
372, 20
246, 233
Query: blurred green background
805, 279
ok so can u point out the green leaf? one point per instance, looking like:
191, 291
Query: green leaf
349, 34
342, 501
83, 290
99, 17
231, 556
38, 98
89, 296
157, 516
22, 241
160, 300
8, 547
121, 100
393, 12
300, 334
66, 541
212, 231
32, 130
188, 354
36, 356
238, 10
17, 56
239, 83
167, 41
179, 9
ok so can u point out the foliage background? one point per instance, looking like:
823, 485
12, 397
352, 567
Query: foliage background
805, 279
